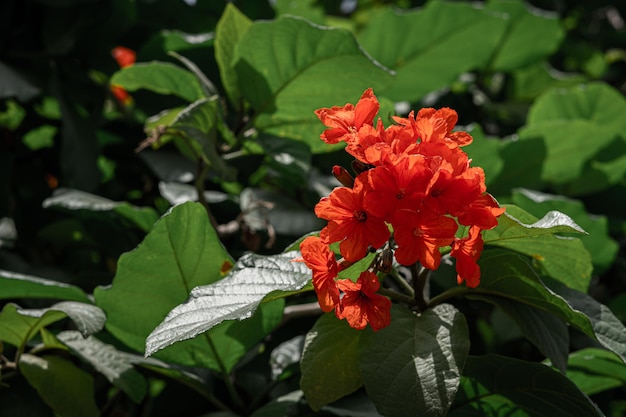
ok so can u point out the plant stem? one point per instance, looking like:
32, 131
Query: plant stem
403, 283
234, 395
397, 296
452, 292
419, 282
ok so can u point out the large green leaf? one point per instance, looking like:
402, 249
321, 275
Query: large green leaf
508, 275
18, 325
181, 252
16, 285
530, 35
330, 361
565, 119
596, 370
607, 328
430, 47
160, 77
563, 258
413, 366
231, 26
235, 297
67, 389
115, 365
306, 67
497, 386
598, 242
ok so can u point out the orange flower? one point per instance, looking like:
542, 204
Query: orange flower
431, 125
467, 251
361, 305
125, 57
321, 261
350, 221
121, 95
419, 236
344, 122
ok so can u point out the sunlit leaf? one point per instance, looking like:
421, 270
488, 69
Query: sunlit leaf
235, 297
563, 258
309, 67
15, 285
413, 366
596, 370
497, 386
67, 389
430, 47
531, 35
330, 361
231, 26
159, 77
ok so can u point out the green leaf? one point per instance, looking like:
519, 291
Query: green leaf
285, 355
530, 82
235, 297
161, 78
495, 385
230, 28
194, 131
116, 366
67, 389
563, 258
182, 251
330, 361
309, 67
18, 325
15, 285
430, 47
565, 119
530, 35
12, 117
602, 248
413, 366
484, 152
507, 275
69, 199
607, 328
40, 137
596, 370
546, 331
285, 405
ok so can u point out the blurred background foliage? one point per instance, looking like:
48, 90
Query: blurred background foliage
78, 186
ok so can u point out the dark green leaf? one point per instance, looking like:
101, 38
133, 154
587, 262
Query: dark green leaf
598, 242
563, 258
309, 67
530, 35
235, 297
430, 47
143, 217
67, 389
160, 77
13, 84
285, 405
87, 318
497, 386
116, 366
413, 366
231, 26
507, 275
286, 354
16, 285
607, 328
40, 137
596, 370
330, 361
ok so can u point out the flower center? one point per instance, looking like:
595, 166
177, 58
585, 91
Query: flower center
360, 215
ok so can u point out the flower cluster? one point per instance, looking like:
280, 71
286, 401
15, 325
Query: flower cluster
413, 188
125, 57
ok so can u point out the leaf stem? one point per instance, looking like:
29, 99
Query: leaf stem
403, 283
450, 293
234, 395
403, 298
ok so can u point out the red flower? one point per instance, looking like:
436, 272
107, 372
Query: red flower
350, 221
361, 305
125, 57
467, 251
419, 236
321, 261
121, 95
344, 122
